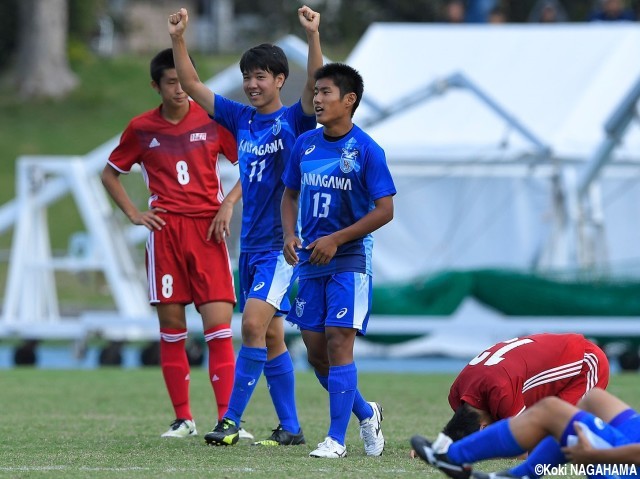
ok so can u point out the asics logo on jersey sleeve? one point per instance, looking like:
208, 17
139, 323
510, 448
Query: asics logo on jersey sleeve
310, 149
341, 313
259, 286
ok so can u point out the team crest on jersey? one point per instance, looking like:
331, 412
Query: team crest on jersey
277, 126
198, 137
300, 306
349, 155
348, 160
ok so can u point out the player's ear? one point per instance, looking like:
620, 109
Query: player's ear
484, 423
350, 99
155, 86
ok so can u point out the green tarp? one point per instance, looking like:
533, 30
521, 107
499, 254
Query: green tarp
512, 293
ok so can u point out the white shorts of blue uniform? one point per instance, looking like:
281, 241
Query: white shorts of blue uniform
624, 429
342, 300
265, 276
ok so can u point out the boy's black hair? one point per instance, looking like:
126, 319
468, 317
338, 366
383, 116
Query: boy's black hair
161, 62
465, 421
345, 77
267, 57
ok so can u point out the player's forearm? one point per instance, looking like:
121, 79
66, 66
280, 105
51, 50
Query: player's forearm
376, 218
314, 61
234, 195
629, 454
119, 195
184, 68
314, 57
289, 212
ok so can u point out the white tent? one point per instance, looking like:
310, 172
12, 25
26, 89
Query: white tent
480, 168
489, 130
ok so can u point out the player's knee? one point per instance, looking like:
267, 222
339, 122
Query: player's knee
591, 399
549, 404
252, 331
318, 363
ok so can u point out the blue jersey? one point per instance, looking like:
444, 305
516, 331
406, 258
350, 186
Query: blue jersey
338, 183
264, 146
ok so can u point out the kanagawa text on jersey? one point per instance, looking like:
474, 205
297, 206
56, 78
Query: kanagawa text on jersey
260, 150
327, 181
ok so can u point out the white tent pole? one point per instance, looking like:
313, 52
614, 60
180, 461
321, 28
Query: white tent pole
614, 129
461, 80
439, 87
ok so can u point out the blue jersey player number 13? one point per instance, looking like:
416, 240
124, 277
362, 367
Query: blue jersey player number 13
338, 183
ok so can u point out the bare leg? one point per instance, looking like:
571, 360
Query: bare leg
275, 338
602, 404
255, 321
548, 417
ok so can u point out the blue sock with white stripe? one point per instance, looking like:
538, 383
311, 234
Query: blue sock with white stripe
249, 367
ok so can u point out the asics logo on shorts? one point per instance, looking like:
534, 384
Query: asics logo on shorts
310, 149
341, 313
251, 383
259, 286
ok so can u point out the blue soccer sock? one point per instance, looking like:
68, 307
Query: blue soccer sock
547, 452
323, 380
249, 366
495, 440
343, 381
281, 382
361, 408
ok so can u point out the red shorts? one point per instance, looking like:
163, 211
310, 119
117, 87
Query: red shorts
183, 267
594, 373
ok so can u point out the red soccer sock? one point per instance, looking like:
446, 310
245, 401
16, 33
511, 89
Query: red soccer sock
175, 369
221, 364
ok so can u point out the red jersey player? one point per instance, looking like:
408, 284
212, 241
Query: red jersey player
177, 147
512, 375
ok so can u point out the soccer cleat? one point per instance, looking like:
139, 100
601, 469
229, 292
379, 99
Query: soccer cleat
280, 437
244, 434
329, 448
371, 432
425, 451
496, 475
181, 428
226, 433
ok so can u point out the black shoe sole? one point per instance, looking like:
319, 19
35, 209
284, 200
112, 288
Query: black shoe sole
214, 442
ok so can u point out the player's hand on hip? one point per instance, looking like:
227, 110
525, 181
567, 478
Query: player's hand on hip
291, 244
178, 22
324, 249
309, 19
219, 228
150, 219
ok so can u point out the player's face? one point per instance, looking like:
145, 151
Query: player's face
328, 105
170, 90
262, 89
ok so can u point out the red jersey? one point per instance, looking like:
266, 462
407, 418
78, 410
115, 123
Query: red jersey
512, 375
179, 161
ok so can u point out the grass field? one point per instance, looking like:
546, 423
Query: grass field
106, 423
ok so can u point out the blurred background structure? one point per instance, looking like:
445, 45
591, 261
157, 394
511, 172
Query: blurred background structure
510, 126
